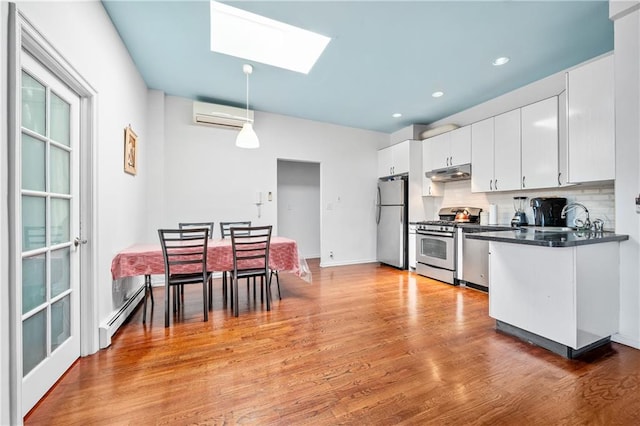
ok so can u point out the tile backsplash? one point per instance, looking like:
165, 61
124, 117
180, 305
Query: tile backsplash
598, 199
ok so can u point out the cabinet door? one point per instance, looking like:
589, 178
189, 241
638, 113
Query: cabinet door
482, 156
401, 157
440, 151
460, 146
385, 162
591, 132
540, 144
506, 151
429, 189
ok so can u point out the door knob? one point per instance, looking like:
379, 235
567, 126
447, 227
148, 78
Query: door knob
77, 241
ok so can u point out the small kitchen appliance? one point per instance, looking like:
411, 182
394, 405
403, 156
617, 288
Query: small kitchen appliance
547, 211
520, 218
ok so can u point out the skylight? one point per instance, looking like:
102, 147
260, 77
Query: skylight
246, 35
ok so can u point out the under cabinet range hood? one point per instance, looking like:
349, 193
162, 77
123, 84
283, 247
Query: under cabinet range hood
448, 174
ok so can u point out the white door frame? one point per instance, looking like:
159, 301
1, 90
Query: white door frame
25, 36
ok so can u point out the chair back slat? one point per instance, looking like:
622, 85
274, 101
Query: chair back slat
184, 249
192, 225
250, 248
225, 227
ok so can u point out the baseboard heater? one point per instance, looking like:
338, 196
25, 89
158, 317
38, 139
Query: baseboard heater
109, 327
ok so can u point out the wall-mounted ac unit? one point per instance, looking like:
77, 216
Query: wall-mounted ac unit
220, 115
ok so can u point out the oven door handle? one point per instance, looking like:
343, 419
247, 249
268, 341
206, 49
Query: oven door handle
436, 234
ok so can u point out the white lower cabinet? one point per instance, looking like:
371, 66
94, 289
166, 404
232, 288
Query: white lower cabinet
566, 294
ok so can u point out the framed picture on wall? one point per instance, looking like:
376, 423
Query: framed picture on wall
130, 150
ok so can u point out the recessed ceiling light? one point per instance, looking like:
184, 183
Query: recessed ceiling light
396, 115
246, 35
437, 94
500, 61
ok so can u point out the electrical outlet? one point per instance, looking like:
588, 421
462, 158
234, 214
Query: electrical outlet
638, 204
331, 255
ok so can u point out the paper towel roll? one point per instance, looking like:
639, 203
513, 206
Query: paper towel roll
493, 214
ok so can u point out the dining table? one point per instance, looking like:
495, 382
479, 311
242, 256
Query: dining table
147, 259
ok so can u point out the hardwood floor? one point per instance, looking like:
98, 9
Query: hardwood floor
363, 344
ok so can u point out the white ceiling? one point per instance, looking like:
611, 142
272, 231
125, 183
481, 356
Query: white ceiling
384, 56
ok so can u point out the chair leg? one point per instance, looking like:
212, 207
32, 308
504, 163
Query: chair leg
204, 299
147, 287
275, 272
236, 307
224, 287
268, 293
210, 282
166, 304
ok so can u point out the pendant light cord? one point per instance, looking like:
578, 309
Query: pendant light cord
247, 74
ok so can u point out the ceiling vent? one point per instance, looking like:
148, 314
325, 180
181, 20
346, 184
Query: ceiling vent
220, 115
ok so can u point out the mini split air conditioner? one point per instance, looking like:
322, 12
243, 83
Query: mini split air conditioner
220, 115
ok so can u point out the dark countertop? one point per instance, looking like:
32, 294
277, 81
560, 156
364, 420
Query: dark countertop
475, 227
546, 238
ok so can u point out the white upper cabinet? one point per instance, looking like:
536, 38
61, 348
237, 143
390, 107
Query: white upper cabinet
451, 148
460, 146
429, 188
506, 151
591, 125
495, 153
394, 160
540, 144
482, 156
440, 150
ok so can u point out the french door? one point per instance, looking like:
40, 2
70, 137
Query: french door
49, 268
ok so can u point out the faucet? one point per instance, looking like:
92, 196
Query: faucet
581, 224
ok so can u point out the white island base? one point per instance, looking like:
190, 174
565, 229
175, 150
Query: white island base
565, 299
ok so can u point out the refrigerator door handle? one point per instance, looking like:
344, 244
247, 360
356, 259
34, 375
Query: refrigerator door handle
402, 215
379, 207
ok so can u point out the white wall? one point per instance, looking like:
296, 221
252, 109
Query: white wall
627, 80
207, 177
299, 204
83, 34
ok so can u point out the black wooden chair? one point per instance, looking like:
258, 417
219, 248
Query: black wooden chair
185, 262
225, 231
209, 226
250, 247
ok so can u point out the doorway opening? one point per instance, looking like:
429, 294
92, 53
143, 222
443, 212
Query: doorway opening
299, 205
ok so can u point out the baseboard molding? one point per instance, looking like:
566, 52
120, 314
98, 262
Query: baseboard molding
626, 340
109, 327
346, 263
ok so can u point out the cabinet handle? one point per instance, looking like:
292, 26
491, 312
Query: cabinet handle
429, 189
559, 182
491, 185
451, 161
495, 184
523, 185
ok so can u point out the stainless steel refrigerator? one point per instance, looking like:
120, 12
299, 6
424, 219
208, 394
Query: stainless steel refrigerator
392, 218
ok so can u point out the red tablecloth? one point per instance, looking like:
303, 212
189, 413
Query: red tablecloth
146, 259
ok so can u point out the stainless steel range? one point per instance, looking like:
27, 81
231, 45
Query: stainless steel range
436, 247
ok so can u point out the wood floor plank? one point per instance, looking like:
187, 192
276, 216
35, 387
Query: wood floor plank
362, 344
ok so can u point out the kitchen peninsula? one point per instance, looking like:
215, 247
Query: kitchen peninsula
556, 288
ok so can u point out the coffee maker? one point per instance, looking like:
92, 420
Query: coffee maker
547, 211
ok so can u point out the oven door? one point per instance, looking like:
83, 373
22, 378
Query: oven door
436, 249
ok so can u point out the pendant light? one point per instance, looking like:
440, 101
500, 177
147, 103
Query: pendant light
247, 138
